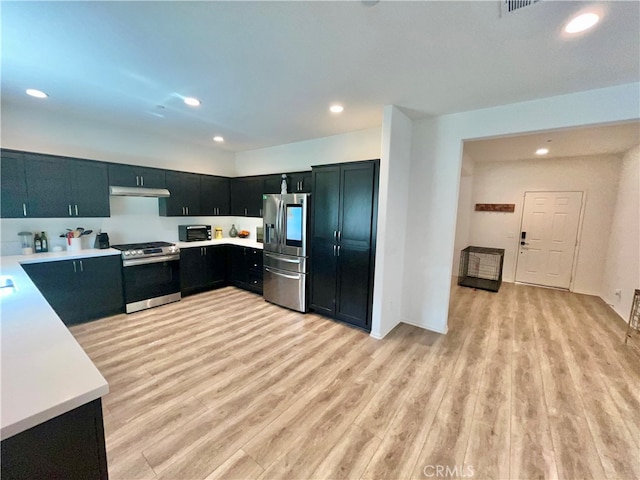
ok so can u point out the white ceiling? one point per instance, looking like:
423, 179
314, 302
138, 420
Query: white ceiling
266, 72
606, 139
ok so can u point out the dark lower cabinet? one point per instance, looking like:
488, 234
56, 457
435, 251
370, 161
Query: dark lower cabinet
343, 241
70, 446
80, 290
245, 268
203, 268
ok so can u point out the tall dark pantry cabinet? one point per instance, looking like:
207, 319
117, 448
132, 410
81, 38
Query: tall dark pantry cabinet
345, 201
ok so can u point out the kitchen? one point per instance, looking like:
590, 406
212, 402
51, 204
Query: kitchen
401, 144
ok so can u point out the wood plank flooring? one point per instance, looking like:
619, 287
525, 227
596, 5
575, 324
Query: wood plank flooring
529, 383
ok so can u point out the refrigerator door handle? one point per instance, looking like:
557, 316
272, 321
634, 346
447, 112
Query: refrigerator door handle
292, 277
282, 259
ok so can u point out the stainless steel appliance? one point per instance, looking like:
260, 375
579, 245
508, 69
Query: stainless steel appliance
285, 220
151, 274
194, 233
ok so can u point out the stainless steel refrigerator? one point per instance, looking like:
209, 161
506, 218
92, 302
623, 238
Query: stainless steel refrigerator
285, 218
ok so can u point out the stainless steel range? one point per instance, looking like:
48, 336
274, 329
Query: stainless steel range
151, 274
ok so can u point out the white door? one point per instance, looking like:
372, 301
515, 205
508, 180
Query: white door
548, 238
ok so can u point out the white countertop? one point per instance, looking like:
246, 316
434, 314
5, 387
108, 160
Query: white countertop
44, 371
242, 242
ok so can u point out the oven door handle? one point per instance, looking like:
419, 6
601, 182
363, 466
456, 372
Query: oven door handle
144, 261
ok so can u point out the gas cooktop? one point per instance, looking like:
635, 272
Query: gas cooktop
142, 246
149, 249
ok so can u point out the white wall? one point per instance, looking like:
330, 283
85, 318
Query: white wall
395, 161
299, 156
622, 270
132, 220
435, 178
506, 182
465, 209
44, 131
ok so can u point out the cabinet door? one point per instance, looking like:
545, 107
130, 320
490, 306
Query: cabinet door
356, 204
152, 177
124, 175
272, 184
50, 183
57, 281
237, 265
238, 196
254, 197
185, 195
352, 297
326, 201
192, 268
135, 176
216, 261
300, 182
214, 195
323, 276
13, 191
99, 292
91, 190
246, 196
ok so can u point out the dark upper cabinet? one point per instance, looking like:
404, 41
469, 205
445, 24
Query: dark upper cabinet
13, 192
326, 203
272, 184
49, 183
134, 176
300, 182
344, 218
91, 192
62, 187
80, 290
246, 196
214, 195
185, 195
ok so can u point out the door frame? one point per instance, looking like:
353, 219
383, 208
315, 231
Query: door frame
576, 252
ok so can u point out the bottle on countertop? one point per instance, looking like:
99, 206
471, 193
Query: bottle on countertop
233, 233
44, 242
37, 242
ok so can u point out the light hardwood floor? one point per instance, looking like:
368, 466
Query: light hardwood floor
528, 383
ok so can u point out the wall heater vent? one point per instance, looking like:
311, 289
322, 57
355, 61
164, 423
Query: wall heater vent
510, 6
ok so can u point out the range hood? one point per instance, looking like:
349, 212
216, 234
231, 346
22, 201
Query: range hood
116, 191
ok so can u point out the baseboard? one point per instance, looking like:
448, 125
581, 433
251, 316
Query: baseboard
427, 327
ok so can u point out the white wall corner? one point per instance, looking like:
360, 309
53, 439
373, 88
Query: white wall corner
622, 259
393, 200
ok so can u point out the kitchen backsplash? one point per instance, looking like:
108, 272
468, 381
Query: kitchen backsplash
133, 219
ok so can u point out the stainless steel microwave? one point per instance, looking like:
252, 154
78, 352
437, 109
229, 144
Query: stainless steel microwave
194, 233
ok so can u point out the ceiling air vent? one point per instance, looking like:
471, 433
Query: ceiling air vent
510, 6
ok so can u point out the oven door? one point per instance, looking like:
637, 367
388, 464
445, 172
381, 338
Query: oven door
149, 279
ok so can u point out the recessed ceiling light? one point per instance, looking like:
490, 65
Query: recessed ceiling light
218, 138
542, 151
336, 108
36, 93
192, 102
582, 22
